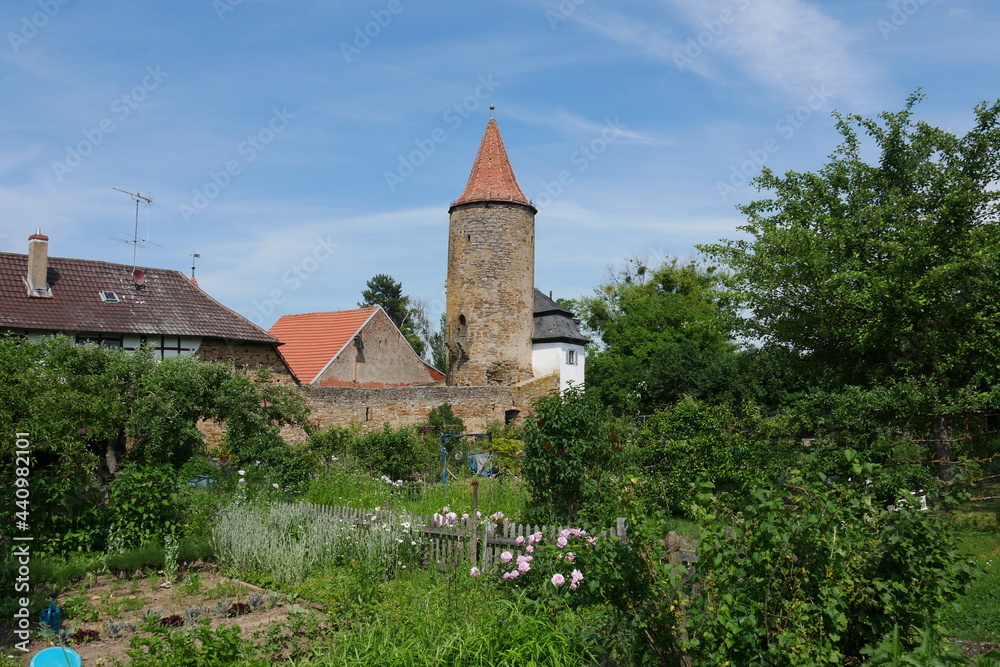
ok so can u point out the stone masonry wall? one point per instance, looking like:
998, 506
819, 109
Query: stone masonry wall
246, 356
404, 406
491, 278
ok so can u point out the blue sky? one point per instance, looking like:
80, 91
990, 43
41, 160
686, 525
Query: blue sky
301, 147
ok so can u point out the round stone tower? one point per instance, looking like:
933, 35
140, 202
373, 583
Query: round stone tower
491, 274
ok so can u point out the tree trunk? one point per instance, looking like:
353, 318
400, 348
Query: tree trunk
942, 447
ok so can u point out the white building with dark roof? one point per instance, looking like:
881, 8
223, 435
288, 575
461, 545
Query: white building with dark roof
557, 346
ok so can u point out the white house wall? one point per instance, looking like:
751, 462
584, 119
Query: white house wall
547, 358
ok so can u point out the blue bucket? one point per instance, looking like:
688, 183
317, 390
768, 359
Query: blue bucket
56, 656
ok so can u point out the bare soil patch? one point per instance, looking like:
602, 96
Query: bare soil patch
118, 609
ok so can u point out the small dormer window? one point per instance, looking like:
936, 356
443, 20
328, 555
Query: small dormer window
109, 297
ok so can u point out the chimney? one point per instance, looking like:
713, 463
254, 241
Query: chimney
38, 264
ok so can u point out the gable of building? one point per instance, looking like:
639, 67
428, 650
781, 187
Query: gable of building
350, 348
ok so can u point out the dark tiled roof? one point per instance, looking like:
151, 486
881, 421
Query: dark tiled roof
553, 323
168, 304
492, 178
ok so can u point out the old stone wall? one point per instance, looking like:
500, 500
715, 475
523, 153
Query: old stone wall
404, 406
490, 307
247, 356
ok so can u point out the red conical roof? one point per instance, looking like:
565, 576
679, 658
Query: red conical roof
492, 178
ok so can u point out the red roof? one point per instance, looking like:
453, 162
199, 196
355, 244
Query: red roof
313, 340
167, 303
492, 178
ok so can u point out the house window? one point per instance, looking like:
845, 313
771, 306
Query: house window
572, 358
168, 346
463, 327
111, 341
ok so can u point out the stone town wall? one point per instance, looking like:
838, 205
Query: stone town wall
404, 406
491, 282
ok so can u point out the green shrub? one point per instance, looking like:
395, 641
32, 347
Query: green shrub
336, 441
444, 420
813, 572
144, 505
569, 450
398, 453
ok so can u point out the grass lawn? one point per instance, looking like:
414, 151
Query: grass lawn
977, 615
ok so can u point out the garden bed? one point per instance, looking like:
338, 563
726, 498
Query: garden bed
103, 613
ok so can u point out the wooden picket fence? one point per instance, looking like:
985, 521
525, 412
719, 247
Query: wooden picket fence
466, 543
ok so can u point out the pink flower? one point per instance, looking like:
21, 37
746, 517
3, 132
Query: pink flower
513, 574
519, 541
561, 542
474, 572
575, 578
523, 566
465, 517
506, 556
570, 556
525, 559
529, 548
565, 532
558, 579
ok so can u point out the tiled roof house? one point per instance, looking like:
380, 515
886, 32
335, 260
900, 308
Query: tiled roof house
350, 348
117, 306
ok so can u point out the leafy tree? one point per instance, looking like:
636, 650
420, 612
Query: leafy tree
884, 274
569, 446
663, 332
81, 404
382, 290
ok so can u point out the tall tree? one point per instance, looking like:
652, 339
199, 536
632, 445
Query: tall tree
383, 290
885, 274
662, 332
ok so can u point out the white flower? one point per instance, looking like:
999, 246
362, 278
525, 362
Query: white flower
474, 572
242, 480
241, 472
275, 485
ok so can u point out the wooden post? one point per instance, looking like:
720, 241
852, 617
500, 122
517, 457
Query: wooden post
473, 523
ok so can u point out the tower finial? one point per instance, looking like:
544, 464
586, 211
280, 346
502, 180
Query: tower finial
493, 108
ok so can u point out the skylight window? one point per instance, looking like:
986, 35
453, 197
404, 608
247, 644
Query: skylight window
109, 297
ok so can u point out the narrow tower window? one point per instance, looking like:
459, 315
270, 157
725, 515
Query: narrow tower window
463, 327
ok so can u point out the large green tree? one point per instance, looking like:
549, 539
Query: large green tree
662, 332
881, 269
407, 314
88, 411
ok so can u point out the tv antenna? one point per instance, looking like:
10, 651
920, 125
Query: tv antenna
135, 241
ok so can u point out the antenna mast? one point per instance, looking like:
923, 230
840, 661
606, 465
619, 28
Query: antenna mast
135, 241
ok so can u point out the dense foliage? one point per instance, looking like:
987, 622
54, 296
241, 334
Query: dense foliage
663, 332
884, 275
91, 411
